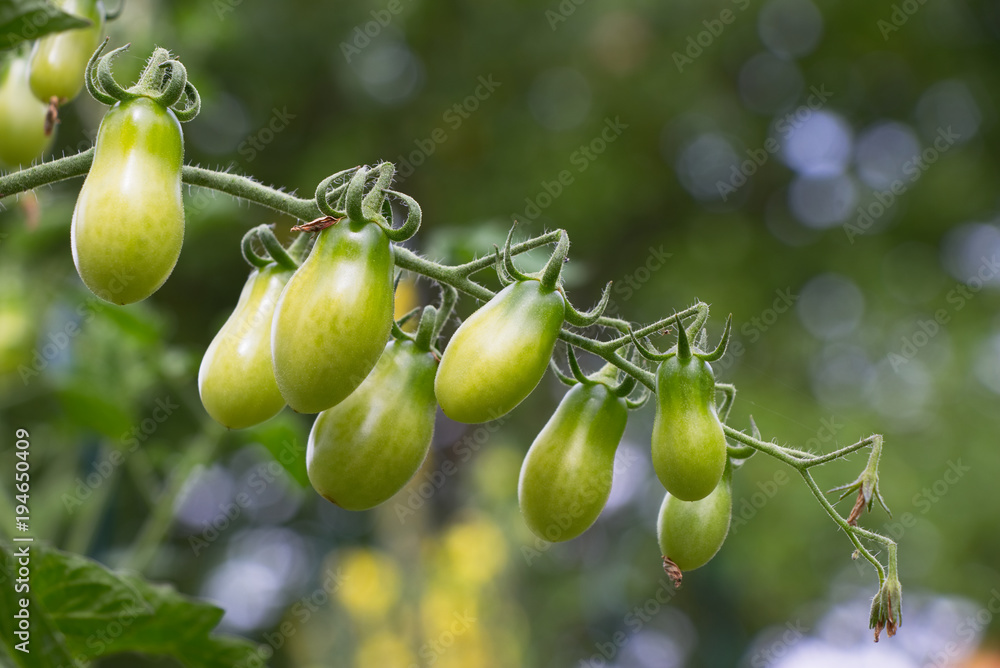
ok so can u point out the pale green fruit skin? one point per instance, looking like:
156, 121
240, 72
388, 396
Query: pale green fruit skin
690, 533
500, 353
236, 378
366, 448
59, 60
688, 442
334, 317
128, 224
566, 476
22, 117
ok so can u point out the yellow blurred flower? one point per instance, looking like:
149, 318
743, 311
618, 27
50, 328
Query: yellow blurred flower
407, 299
384, 649
371, 583
475, 551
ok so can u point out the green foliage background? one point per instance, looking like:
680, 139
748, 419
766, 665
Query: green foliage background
277, 74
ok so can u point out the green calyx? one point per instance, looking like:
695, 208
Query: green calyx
164, 80
289, 258
361, 195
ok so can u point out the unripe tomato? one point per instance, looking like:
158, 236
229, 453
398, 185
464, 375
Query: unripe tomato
366, 448
59, 60
689, 445
236, 378
22, 117
128, 224
334, 317
691, 532
566, 476
496, 357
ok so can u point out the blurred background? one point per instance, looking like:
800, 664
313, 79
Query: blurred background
826, 172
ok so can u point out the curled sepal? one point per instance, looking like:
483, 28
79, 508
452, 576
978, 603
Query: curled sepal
640, 401
189, 105
449, 297
683, 344
111, 16
425, 329
866, 485
372, 202
106, 79
887, 609
741, 453
249, 254
720, 350
174, 81
508, 258
333, 187
354, 198
562, 377
553, 268
498, 264
574, 365
588, 318
90, 77
412, 222
648, 352
274, 248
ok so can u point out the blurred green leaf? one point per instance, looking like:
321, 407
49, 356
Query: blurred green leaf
86, 610
86, 408
285, 439
22, 20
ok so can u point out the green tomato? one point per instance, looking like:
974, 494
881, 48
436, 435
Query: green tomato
59, 60
236, 378
497, 357
566, 476
128, 224
689, 445
334, 317
366, 448
691, 532
22, 117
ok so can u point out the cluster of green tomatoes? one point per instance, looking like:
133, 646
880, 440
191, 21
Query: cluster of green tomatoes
314, 329
320, 337
34, 83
